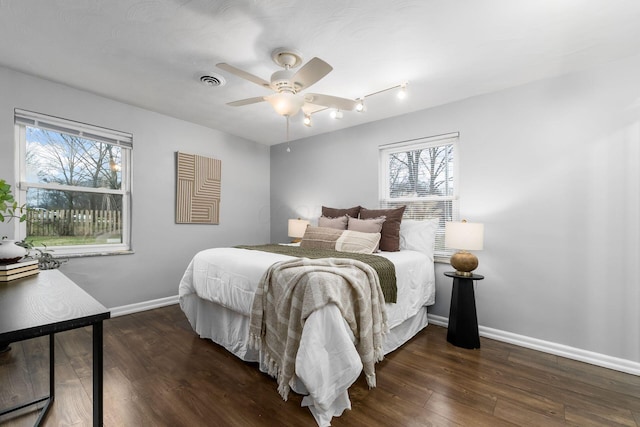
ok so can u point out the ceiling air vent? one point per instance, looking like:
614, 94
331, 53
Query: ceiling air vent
213, 80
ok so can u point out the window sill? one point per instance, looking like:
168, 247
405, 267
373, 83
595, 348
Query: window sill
91, 254
66, 252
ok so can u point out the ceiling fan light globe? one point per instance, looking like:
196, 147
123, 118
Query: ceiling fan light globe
286, 104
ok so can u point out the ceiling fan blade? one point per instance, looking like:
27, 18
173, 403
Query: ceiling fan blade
243, 74
310, 73
329, 101
247, 101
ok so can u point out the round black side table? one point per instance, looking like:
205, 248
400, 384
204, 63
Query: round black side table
463, 319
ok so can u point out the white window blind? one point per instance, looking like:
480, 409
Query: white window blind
69, 127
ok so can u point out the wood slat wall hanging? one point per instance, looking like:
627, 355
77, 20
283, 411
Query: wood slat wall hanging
198, 182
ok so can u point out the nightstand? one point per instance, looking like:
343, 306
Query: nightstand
463, 320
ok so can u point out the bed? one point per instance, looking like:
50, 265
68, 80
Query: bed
217, 293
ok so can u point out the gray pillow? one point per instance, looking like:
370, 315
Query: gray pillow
373, 225
339, 223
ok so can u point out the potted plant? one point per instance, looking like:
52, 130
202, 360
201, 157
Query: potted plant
45, 259
9, 251
9, 209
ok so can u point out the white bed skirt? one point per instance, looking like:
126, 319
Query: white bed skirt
230, 329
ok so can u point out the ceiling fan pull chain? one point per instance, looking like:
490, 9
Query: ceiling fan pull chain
288, 148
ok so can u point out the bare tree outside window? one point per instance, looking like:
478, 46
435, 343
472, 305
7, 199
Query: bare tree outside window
422, 172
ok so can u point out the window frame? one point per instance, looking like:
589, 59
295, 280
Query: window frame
441, 254
24, 119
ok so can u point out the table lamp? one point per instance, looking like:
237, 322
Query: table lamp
297, 227
464, 236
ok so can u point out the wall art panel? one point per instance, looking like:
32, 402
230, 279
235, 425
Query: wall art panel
198, 183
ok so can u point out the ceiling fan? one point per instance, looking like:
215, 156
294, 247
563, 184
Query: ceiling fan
287, 85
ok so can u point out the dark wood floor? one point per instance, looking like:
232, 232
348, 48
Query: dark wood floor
159, 373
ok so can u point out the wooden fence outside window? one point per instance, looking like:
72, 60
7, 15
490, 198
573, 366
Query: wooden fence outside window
74, 222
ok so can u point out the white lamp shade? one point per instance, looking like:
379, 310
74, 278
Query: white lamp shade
297, 227
466, 236
285, 103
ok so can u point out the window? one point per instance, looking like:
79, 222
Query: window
422, 174
75, 182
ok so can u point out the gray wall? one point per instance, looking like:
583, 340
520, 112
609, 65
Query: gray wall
162, 248
550, 168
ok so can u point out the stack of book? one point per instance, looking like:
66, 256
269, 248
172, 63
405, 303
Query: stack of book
18, 270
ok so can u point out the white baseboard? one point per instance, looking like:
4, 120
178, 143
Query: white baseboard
573, 353
597, 359
143, 306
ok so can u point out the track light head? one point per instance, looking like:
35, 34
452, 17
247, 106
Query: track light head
402, 94
336, 114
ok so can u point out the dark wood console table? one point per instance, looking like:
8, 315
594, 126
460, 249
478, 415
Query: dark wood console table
463, 320
45, 304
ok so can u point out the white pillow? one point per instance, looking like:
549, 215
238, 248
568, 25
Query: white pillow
418, 235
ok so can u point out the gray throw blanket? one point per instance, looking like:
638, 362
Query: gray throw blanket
291, 290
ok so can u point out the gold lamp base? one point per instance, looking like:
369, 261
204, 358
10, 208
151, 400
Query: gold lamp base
464, 262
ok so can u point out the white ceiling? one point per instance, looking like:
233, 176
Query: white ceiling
152, 53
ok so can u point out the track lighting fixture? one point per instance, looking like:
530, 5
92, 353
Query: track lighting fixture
292, 105
402, 94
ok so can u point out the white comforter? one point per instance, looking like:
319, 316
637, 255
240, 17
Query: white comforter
327, 362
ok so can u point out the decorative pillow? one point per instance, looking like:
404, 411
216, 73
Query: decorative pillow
334, 213
373, 225
340, 240
390, 240
320, 238
339, 223
419, 235
357, 242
